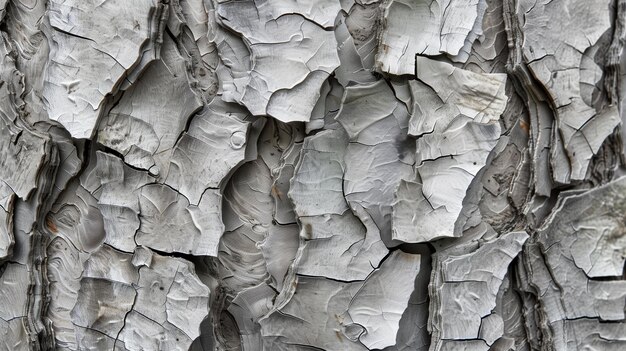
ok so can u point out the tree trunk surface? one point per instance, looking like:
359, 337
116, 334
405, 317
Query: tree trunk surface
337, 175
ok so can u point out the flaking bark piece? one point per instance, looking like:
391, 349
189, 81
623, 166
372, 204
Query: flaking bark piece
291, 55
155, 300
152, 211
313, 194
431, 28
213, 146
349, 241
7, 199
102, 305
147, 121
256, 253
375, 161
90, 56
555, 58
455, 117
379, 304
472, 280
331, 231
24, 151
321, 312
169, 223
588, 230
580, 242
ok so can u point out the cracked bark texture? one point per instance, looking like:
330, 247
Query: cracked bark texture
312, 175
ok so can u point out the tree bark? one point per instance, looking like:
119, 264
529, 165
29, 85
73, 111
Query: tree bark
312, 175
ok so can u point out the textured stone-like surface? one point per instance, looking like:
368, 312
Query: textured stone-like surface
312, 175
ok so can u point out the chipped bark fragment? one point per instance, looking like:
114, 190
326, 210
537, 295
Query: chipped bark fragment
163, 297
7, 198
347, 317
24, 151
147, 121
555, 59
163, 211
311, 194
340, 239
375, 162
380, 320
473, 280
88, 60
568, 257
291, 54
455, 117
102, 305
331, 231
205, 155
257, 250
431, 28
167, 214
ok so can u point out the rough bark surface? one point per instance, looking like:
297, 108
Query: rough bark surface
312, 175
